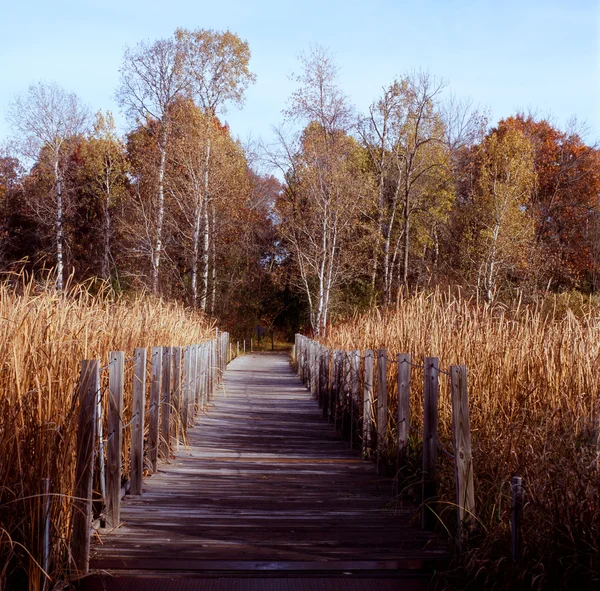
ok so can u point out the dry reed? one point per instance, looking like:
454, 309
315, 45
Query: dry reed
534, 385
43, 337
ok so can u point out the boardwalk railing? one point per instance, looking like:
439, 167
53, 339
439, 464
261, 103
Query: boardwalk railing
352, 390
182, 381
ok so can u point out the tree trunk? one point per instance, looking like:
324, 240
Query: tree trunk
106, 256
213, 256
205, 252
196, 250
59, 226
406, 242
160, 216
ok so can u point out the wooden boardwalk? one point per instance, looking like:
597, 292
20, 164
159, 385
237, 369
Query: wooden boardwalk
266, 491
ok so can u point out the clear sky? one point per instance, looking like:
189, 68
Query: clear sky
506, 55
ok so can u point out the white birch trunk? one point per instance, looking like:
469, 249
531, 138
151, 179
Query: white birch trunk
59, 226
160, 215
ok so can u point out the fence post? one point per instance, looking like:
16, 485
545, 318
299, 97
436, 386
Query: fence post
89, 385
176, 392
355, 362
137, 427
185, 405
165, 405
517, 511
461, 430
154, 407
326, 382
430, 432
337, 387
115, 437
403, 407
196, 391
382, 418
367, 403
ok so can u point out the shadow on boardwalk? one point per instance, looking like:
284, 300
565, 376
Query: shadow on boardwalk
266, 491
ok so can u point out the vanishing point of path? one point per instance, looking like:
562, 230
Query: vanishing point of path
266, 497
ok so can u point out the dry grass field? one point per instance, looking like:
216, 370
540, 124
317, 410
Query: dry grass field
43, 338
534, 383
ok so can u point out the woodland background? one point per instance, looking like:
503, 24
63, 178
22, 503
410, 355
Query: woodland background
353, 209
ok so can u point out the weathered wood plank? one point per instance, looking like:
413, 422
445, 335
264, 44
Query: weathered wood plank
89, 385
116, 383
137, 426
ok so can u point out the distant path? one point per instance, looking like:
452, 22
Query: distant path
267, 489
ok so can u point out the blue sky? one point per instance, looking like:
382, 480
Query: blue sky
504, 55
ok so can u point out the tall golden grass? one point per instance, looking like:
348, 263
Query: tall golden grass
534, 382
44, 336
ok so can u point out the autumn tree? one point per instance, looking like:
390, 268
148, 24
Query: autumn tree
410, 144
324, 183
48, 120
103, 176
153, 78
218, 66
564, 199
505, 179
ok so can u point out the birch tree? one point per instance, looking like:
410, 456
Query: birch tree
218, 66
505, 181
153, 78
324, 185
48, 119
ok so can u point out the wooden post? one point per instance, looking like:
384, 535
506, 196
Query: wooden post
403, 408
194, 368
238, 349
355, 362
165, 405
338, 357
153, 411
115, 437
316, 359
185, 393
461, 430
137, 426
517, 511
382, 410
326, 382
244, 346
89, 385
176, 393
430, 433
367, 403
230, 352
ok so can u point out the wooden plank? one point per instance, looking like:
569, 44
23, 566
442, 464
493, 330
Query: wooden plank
403, 408
154, 409
114, 444
367, 403
461, 429
430, 434
137, 426
89, 385
165, 405
185, 407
